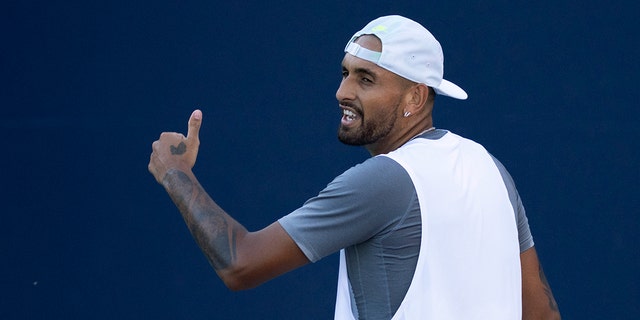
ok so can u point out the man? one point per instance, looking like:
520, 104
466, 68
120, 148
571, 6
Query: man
430, 227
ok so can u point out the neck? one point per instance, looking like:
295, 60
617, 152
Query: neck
389, 144
423, 132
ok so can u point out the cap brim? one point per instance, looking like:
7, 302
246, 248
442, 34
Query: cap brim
450, 89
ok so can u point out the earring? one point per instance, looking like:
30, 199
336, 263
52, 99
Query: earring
407, 113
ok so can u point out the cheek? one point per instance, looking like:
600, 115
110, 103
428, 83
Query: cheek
382, 106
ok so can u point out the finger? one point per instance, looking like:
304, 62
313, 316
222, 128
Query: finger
194, 125
151, 166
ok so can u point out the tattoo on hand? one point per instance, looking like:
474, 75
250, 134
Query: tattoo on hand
180, 149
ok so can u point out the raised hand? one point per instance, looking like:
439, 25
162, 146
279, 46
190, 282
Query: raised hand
175, 151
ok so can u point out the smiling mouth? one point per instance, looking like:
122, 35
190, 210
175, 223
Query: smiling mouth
349, 115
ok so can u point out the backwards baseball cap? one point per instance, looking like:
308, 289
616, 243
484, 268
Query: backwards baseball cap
408, 50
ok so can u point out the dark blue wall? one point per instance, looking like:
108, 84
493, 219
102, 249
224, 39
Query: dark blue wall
86, 233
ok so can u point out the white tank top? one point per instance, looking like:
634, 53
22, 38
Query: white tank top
469, 261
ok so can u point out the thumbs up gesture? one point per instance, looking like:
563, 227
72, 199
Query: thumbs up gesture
175, 151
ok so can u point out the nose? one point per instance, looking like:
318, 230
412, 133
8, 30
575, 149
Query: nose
345, 90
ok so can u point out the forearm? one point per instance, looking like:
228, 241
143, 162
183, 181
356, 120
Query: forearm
213, 229
241, 259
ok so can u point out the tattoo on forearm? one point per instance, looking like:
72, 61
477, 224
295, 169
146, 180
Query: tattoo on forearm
547, 290
206, 221
180, 149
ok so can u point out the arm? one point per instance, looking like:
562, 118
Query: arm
241, 258
537, 299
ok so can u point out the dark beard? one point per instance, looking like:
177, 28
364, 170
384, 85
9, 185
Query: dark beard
369, 132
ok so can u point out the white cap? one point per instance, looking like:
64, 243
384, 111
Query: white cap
408, 50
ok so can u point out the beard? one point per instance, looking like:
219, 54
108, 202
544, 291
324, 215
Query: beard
369, 131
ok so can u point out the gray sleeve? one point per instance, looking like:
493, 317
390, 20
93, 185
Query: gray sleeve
355, 206
524, 233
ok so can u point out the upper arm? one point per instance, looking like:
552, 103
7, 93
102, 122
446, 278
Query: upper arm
524, 233
348, 211
537, 299
364, 202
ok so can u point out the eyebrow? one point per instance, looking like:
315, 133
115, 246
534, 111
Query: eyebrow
361, 70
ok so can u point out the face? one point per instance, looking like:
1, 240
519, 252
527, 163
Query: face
370, 98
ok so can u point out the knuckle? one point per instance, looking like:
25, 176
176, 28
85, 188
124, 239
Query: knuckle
168, 135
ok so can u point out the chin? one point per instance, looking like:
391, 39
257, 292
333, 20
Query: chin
346, 138
350, 139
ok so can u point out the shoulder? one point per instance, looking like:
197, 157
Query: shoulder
377, 171
355, 206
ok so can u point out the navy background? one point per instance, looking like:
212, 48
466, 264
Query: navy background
87, 86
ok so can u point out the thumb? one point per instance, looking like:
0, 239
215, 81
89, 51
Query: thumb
194, 125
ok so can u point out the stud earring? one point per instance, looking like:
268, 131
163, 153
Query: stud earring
407, 113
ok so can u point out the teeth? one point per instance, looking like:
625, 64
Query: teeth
349, 114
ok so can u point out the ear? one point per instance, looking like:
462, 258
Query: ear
416, 98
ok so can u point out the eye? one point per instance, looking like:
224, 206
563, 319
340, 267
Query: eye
345, 74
